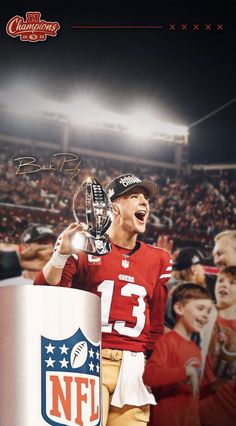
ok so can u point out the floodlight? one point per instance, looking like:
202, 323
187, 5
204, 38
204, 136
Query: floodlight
140, 124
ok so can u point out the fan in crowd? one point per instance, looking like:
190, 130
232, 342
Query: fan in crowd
174, 369
21, 265
224, 252
218, 404
187, 267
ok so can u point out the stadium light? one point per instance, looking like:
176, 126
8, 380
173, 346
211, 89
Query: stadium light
140, 124
143, 125
88, 110
171, 129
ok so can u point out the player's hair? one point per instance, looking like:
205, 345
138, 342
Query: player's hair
229, 270
230, 234
188, 291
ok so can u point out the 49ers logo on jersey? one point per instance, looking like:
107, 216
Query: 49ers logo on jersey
32, 28
70, 381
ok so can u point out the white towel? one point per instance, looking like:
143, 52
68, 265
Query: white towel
130, 388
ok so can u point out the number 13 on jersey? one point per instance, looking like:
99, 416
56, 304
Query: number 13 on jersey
106, 288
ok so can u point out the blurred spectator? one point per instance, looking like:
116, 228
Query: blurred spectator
218, 390
187, 267
224, 251
33, 252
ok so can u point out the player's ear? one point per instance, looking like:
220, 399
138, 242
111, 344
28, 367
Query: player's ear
115, 207
178, 308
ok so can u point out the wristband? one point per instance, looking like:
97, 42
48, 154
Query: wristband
59, 260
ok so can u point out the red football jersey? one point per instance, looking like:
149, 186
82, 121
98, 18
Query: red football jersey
132, 290
165, 373
219, 406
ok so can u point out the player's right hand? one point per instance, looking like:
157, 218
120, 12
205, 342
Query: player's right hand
64, 242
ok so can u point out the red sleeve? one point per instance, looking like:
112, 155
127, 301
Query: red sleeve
157, 371
67, 274
227, 393
158, 301
221, 388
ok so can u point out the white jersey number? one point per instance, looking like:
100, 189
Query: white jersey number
129, 289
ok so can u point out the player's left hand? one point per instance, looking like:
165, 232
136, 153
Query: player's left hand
64, 242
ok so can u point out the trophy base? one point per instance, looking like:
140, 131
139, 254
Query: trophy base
96, 246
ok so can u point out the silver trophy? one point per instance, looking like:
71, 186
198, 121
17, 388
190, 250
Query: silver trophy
97, 216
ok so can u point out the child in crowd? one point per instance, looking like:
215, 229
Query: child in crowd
218, 389
174, 369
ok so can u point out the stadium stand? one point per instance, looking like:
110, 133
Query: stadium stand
191, 208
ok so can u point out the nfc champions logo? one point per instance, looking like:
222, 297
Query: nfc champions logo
70, 371
32, 28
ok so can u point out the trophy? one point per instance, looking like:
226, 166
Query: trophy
98, 215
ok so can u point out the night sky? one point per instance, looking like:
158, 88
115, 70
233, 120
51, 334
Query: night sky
185, 74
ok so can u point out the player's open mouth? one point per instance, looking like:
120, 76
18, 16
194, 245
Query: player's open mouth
140, 215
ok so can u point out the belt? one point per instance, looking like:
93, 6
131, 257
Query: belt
112, 354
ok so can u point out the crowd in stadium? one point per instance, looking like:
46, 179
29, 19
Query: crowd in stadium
193, 209
188, 208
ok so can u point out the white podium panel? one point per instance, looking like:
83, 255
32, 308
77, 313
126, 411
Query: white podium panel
49, 357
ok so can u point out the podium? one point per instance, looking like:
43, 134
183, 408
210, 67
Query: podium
49, 356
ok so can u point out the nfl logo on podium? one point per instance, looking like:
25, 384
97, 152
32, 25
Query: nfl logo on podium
70, 373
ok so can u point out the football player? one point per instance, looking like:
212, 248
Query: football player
131, 281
